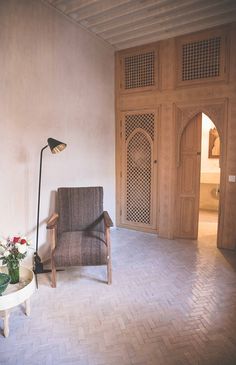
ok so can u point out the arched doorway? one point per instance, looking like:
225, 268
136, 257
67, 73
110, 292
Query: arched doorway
188, 163
209, 182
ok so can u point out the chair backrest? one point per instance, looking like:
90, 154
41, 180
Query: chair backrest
80, 208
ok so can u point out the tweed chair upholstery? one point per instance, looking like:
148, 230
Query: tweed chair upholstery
81, 230
80, 209
81, 248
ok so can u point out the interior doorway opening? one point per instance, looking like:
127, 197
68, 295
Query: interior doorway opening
209, 183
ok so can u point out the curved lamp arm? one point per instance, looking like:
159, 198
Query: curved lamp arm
39, 192
55, 147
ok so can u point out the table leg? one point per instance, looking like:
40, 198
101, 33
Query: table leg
27, 307
6, 323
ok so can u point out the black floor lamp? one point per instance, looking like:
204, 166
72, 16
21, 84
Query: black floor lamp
55, 147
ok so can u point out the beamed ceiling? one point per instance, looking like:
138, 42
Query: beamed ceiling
128, 23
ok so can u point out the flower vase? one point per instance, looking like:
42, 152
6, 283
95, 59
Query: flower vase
14, 272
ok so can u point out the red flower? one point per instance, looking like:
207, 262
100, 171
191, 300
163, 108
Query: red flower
16, 239
23, 241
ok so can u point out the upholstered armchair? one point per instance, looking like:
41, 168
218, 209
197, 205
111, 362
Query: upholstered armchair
80, 230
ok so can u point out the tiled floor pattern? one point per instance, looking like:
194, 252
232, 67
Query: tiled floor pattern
171, 302
207, 228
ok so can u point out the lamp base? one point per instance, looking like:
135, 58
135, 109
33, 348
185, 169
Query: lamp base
38, 265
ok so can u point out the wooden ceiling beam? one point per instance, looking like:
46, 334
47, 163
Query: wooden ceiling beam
123, 10
156, 18
56, 2
127, 23
70, 6
139, 15
172, 22
187, 28
187, 10
96, 8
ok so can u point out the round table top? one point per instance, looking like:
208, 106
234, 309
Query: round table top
16, 294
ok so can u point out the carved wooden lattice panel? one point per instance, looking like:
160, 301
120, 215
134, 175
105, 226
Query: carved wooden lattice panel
201, 59
139, 70
143, 121
139, 157
138, 177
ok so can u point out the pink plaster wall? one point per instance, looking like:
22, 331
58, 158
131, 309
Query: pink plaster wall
56, 80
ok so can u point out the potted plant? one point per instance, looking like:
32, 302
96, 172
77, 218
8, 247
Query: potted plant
11, 253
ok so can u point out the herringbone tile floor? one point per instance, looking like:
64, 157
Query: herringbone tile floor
171, 302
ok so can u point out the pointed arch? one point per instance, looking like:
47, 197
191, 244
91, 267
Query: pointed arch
217, 112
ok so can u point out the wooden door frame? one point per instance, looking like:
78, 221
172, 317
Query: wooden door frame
216, 110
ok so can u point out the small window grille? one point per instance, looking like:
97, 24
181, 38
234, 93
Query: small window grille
201, 59
139, 70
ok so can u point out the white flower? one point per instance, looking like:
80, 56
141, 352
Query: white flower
6, 253
21, 248
2, 250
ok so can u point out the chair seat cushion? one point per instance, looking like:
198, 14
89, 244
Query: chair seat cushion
80, 248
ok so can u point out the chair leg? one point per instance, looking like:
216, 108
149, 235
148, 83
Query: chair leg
109, 268
109, 272
54, 274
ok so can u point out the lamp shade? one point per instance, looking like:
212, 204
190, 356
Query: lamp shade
56, 146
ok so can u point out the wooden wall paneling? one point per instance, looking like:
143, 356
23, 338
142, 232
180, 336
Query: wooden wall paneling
232, 56
118, 168
165, 171
117, 128
177, 105
138, 101
167, 64
228, 231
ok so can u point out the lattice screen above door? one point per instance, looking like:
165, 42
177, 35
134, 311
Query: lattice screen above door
202, 58
139, 70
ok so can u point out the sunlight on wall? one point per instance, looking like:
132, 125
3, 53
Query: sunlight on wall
208, 165
210, 171
57, 81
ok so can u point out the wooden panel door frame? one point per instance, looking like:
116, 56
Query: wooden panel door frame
216, 110
119, 170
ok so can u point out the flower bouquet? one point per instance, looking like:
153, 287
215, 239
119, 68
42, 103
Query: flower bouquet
11, 253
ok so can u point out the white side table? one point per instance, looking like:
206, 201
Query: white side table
16, 294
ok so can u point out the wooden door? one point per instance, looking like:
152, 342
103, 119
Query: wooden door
188, 180
138, 175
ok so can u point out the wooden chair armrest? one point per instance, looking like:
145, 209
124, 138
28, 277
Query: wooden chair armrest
52, 222
107, 220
